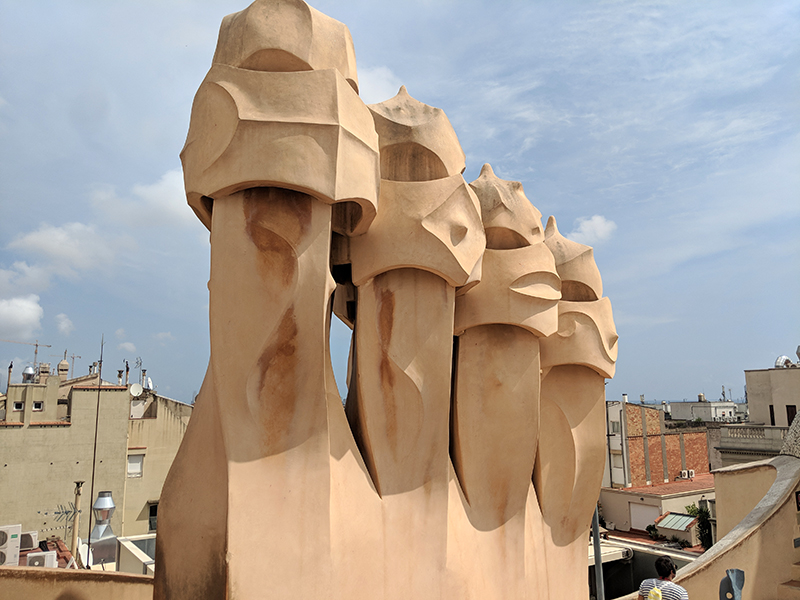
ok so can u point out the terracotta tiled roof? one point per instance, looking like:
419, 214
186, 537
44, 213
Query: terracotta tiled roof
704, 481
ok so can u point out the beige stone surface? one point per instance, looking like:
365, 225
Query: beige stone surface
586, 336
431, 225
518, 286
324, 145
495, 421
37, 583
454, 470
569, 464
417, 141
285, 36
580, 278
509, 218
429, 218
575, 360
738, 490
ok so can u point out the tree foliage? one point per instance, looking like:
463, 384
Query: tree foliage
703, 517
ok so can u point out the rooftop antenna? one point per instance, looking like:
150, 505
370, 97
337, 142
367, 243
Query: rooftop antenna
73, 356
94, 452
137, 364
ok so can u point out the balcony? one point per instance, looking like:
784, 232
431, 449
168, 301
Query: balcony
755, 442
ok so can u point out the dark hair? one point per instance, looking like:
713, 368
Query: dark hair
665, 566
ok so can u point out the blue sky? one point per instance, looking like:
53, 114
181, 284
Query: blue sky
666, 135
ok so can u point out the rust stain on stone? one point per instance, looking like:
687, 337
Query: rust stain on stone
385, 299
278, 365
276, 258
283, 210
272, 210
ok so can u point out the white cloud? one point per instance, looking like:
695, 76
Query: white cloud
149, 205
165, 336
376, 84
65, 326
23, 278
69, 248
120, 333
592, 230
127, 347
20, 317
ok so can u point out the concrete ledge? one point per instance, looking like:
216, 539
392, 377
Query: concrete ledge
33, 583
748, 466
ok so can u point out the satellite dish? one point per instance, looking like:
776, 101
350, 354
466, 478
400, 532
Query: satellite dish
136, 390
149, 383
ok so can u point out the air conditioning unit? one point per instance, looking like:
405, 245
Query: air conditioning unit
691, 473
47, 559
9, 545
29, 540
685, 474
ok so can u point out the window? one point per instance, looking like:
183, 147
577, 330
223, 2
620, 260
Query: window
19, 406
153, 516
772, 415
791, 411
38, 405
616, 461
135, 464
614, 426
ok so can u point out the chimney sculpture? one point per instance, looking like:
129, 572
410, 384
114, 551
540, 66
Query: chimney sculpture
465, 462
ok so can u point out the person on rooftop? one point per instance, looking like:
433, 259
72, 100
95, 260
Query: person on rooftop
666, 570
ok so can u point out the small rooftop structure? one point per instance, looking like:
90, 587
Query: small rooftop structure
676, 521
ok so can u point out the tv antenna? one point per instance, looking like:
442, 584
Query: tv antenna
73, 356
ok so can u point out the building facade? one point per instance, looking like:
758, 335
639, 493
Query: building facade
638, 507
747, 443
720, 411
47, 443
773, 395
642, 450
